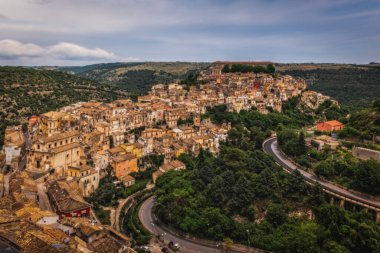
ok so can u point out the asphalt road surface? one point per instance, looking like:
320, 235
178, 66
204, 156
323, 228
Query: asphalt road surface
146, 218
271, 147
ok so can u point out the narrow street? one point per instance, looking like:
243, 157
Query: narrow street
6, 184
43, 198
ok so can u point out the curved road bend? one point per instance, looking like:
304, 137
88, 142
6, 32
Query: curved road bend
146, 218
271, 147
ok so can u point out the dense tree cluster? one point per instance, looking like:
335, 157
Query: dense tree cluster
360, 175
364, 124
243, 195
253, 118
243, 68
140, 81
342, 168
292, 143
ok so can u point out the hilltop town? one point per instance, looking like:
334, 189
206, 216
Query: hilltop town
58, 158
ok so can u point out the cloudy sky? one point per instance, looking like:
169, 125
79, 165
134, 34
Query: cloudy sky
77, 32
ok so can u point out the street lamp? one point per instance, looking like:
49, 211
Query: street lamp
249, 243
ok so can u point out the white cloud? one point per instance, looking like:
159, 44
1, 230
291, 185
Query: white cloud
72, 51
12, 50
15, 49
173, 29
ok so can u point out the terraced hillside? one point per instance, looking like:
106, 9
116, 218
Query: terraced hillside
137, 77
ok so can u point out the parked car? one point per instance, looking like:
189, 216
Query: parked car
144, 248
173, 246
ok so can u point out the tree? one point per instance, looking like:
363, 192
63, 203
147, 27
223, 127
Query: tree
325, 169
276, 215
243, 194
334, 247
302, 144
376, 104
226, 69
270, 69
368, 176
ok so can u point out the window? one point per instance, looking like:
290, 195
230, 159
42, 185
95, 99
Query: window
66, 141
55, 144
60, 143
38, 146
67, 156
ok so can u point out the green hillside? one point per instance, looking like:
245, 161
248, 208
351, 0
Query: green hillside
354, 86
137, 77
364, 124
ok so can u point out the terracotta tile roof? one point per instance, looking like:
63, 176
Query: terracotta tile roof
177, 163
126, 178
56, 234
125, 157
333, 123
53, 115
65, 147
116, 150
172, 165
59, 136
106, 244
66, 200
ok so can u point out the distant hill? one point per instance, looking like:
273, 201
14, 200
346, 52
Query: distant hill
28, 91
354, 86
137, 77
365, 123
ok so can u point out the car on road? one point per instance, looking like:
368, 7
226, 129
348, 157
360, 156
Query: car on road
144, 248
173, 246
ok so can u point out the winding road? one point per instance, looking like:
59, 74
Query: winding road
187, 244
146, 218
271, 147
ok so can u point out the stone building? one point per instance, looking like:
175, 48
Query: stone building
365, 153
54, 152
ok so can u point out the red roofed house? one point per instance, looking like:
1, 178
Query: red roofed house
330, 126
65, 200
